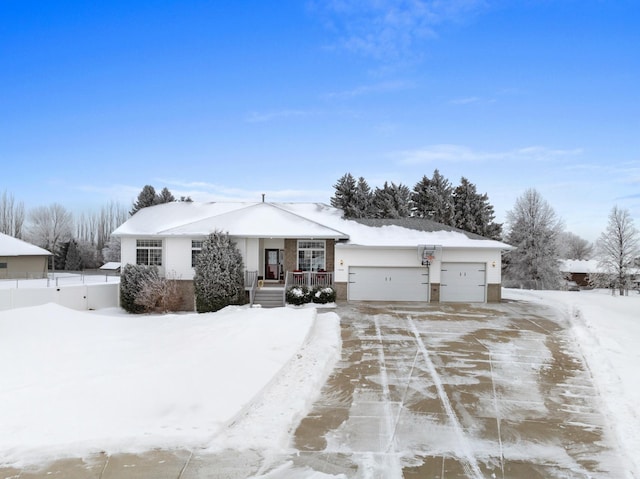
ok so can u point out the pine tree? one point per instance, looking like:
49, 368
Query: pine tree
432, 199
441, 199
391, 201
165, 196
73, 260
362, 199
147, 197
421, 203
473, 212
534, 230
219, 274
344, 196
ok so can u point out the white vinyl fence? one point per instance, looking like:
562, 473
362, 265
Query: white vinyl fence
75, 291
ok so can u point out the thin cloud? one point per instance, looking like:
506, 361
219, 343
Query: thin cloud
262, 117
364, 90
203, 191
460, 153
390, 29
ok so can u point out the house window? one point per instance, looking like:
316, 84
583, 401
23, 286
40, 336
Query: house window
311, 255
3, 265
149, 252
196, 249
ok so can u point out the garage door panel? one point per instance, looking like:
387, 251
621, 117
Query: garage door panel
388, 284
463, 282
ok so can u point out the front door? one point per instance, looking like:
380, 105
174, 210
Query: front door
273, 264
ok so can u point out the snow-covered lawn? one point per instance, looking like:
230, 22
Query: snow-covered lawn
607, 329
74, 383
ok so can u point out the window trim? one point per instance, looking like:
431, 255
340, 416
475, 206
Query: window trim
195, 251
150, 245
311, 249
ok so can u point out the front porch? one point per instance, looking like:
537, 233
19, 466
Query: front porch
272, 294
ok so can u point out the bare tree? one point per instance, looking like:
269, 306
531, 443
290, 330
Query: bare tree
573, 246
533, 229
49, 226
12, 216
618, 247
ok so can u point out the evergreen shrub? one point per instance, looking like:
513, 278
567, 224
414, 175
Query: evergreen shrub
298, 295
219, 275
323, 295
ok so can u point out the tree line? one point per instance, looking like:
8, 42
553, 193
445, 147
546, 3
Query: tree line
76, 241
432, 198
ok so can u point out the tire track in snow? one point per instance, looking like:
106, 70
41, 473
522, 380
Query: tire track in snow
469, 462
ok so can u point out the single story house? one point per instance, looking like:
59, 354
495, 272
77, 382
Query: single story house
22, 260
578, 270
286, 243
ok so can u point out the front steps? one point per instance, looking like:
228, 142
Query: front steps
269, 297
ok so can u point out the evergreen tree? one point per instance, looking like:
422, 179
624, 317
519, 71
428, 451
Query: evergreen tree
147, 197
432, 199
362, 199
73, 260
219, 274
391, 201
421, 206
344, 196
534, 230
473, 212
441, 199
60, 256
165, 196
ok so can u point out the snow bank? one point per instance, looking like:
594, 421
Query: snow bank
75, 383
607, 329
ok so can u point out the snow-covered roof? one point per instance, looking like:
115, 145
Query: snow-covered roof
290, 220
580, 266
111, 266
10, 246
245, 220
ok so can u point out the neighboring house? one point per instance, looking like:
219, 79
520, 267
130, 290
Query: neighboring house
22, 260
579, 270
285, 243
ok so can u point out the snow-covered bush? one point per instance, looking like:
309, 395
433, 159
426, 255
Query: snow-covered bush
160, 295
219, 276
298, 295
323, 295
133, 280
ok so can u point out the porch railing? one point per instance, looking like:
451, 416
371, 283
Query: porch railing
309, 278
250, 284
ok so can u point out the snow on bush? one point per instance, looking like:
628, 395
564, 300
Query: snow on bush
219, 277
298, 295
323, 295
133, 280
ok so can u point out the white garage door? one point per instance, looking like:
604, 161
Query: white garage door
388, 284
462, 282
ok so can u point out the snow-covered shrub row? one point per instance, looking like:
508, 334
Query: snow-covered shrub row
301, 294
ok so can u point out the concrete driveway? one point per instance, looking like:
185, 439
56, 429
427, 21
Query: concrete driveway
424, 391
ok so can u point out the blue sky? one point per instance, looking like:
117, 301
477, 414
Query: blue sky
225, 100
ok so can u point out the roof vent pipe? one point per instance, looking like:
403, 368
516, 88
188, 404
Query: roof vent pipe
263, 197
